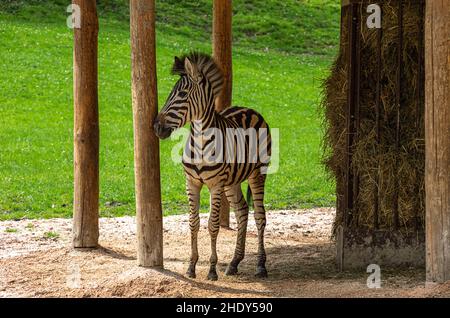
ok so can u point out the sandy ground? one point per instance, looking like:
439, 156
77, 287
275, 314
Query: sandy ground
34, 263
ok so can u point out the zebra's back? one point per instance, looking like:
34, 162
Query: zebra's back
247, 124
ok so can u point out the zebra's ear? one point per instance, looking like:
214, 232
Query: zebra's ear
178, 62
191, 70
178, 67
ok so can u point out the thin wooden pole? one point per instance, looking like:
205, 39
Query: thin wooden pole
357, 116
86, 128
396, 218
353, 92
146, 144
420, 101
222, 52
437, 140
376, 211
342, 196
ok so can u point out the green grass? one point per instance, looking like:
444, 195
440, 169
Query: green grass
51, 235
299, 26
30, 226
36, 122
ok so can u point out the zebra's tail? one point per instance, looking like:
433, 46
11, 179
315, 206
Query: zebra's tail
249, 196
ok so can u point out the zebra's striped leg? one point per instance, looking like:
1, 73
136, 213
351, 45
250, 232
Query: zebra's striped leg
193, 191
256, 183
240, 207
213, 227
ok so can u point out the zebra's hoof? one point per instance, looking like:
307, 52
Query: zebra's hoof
231, 270
261, 272
191, 273
212, 275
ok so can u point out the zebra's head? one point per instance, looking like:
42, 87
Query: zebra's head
192, 97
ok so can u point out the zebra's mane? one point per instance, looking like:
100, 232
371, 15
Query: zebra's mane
206, 65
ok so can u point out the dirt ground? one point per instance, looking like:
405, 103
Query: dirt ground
36, 260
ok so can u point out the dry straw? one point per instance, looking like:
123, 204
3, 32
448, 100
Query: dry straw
381, 167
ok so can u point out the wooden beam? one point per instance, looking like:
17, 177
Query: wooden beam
352, 111
376, 195
398, 99
437, 140
222, 47
86, 128
146, 144
222, 52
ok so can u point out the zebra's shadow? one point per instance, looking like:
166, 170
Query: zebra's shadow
200, 284
301, 262
304, 261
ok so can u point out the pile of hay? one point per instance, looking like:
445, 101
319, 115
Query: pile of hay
381, 167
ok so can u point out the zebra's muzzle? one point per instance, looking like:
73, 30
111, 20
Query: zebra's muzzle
161, 130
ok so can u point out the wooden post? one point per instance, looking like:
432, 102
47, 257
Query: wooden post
398, 98
437, 140
352, 111
86, 129
222, 52
146, 144
222, 47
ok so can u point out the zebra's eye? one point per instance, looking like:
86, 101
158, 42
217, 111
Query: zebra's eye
182, 94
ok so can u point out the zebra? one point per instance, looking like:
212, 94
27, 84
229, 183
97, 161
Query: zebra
192, 100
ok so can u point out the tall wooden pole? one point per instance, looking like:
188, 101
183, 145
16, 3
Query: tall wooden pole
437, 140
146, 144
86, 128
222, 52
222, 47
